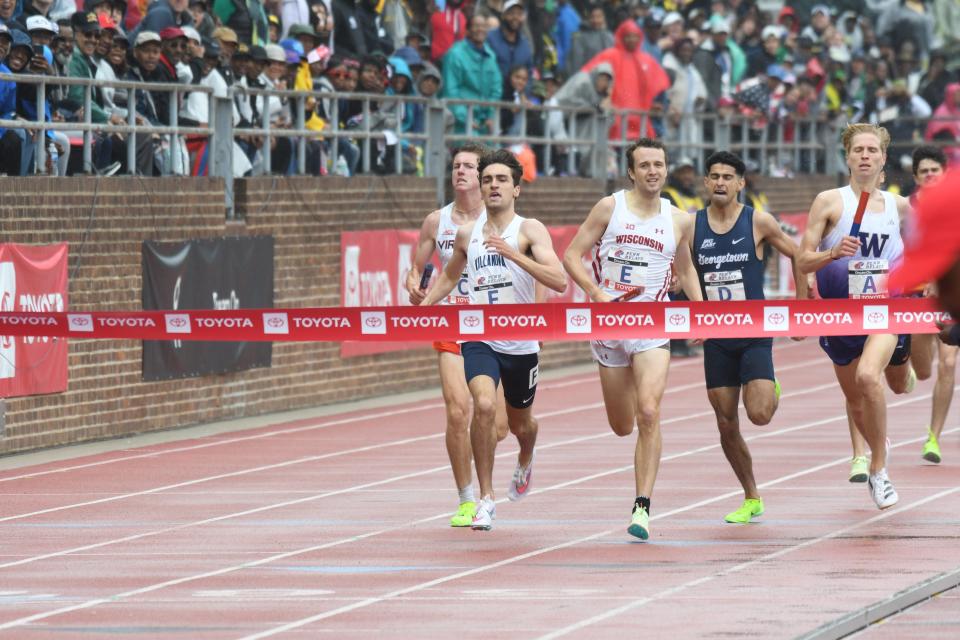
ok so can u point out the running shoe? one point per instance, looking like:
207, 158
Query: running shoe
859, 469
464, 515
931, 450
881, 490
639, 523
777, 389
520, 483
485, 515
751, 508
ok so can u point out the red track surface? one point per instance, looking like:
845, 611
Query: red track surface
336, 527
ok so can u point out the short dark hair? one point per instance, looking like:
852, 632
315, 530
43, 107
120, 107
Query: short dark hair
727, 158
644, 143
928, 152
505, 157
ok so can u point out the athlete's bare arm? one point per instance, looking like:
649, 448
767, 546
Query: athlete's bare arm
824, 214
586, 239
683, 267
426, 244
451, 275
544, 265
767, 229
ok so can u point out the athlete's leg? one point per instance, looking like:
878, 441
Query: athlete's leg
525, 427
760, 400
650, 380
725, 401
502, 427
456, 398
943, 389
483, 431
922, 348
619, 398
868, 389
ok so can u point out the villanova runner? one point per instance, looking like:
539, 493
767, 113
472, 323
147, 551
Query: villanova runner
635, 238
727, 249
504, 256
856, 267
437, 233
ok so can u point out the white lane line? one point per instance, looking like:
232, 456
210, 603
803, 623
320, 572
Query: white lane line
392, 529
518, 558
304, 460
326, 424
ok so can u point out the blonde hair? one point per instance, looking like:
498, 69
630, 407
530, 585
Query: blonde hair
854, 130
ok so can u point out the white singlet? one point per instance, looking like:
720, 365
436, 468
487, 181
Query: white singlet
633, 252
446, 234
496, 280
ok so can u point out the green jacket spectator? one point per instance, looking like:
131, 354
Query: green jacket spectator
471, 72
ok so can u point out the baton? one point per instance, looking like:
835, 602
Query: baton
858, 216
629, 295
425, 277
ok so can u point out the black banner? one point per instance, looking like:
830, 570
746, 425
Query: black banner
215, 273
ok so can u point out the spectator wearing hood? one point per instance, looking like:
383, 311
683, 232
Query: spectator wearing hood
639, 79
471, 72
402, 84
592, 38
945, 125
429, 85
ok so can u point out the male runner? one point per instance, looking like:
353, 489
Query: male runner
437, 234
727, 248
860, 362
505, 255
636, 237
929, 165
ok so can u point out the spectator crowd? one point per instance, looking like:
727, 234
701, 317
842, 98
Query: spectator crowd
667, 68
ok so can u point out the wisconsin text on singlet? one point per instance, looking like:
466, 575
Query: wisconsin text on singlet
640, 240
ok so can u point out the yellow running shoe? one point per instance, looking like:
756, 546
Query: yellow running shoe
464, 515
751, 508
640, 523
931, 450
859, 469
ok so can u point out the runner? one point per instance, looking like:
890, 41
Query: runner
650, 235
929, 165
727, 248
860, 362
504, 256
437, 234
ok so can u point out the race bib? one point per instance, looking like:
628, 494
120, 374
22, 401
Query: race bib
494, 288
460, 293
867, 278
624, 270
724, 285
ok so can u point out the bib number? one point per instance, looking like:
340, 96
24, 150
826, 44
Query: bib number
724, 285
624, 270
494, 289
867, 278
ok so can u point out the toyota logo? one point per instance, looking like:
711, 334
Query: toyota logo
471, 321
81, 321
275, 322
177, 322
875, 317
373, 321
677, 319
776, 318
578, 320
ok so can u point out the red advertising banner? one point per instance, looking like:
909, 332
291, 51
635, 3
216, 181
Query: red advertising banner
374, 273
559, 321
32, 279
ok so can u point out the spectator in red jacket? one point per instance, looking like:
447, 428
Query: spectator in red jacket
449, 25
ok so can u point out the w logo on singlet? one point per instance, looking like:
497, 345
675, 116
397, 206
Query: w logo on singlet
872, 244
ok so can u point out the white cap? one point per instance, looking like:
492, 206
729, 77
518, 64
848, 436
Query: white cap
39, 23
510, 4
147, 36
672, 17
771, 31
191, 33
275, 53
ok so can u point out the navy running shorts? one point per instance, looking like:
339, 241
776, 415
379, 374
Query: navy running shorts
733, 362
843, 350
519, 373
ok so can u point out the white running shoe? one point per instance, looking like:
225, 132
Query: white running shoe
881, 490
520, 483
486, 513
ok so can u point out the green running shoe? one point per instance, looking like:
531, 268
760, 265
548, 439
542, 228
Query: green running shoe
931, 450
640, 523
776, 389
464, 515
751, 508
859, 469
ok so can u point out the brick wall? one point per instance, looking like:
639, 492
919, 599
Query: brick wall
105, 221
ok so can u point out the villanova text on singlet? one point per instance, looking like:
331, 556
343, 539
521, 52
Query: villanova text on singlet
727, 263
865, 274
636, 252
495, 280
446, 234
